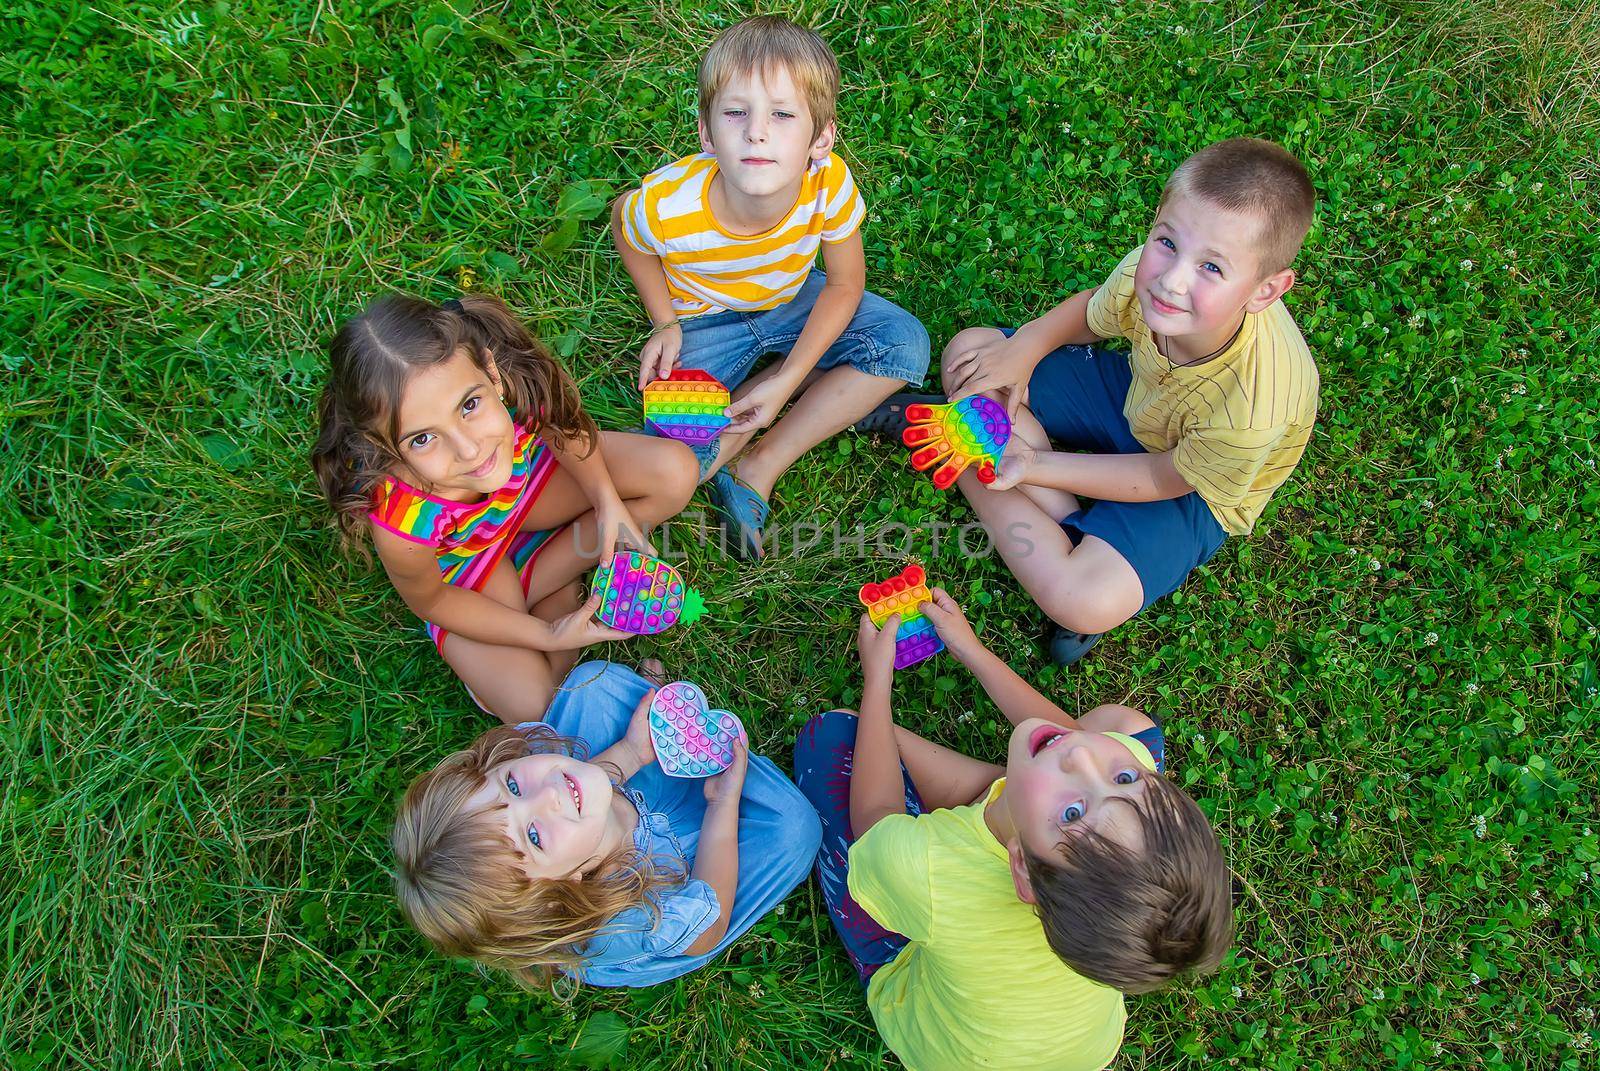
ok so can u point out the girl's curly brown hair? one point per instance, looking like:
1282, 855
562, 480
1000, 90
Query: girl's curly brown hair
373, 357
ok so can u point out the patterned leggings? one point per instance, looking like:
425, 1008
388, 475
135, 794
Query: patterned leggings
824, 757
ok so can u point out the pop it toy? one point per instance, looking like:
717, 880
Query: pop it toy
643, 595
686, 406
690, 739
973, 430
901, 595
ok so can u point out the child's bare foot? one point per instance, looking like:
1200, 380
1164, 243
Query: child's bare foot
653, 671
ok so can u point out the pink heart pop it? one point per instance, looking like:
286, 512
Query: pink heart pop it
916, 638
690, 739
643, 595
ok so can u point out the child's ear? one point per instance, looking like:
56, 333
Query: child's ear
1270, 289
705, 134
821, 147
1019, 872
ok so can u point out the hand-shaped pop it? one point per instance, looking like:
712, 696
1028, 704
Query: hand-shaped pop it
687, 406
901, 595
690, 739
643, 595
975, 429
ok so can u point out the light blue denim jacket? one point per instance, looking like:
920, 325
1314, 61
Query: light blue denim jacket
778, 839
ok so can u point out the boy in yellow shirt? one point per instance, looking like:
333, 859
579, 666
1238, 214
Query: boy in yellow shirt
1177, 444
997, 914
722, 248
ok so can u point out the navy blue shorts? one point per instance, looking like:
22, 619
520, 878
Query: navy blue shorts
1077, 393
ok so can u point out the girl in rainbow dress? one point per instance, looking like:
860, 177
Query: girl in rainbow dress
455, 441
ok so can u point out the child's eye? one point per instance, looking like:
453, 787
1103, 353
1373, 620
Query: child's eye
1126, 777
512, 786
783, 115
733, 113
419, 441
1071, 813
1209, 266
533, 834
470, 405
1166, 243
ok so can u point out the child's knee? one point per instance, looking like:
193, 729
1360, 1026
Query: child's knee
1091, 608
674, 472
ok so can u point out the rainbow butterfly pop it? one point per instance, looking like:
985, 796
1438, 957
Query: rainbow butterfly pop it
688, 406
643, 595
691, 740
975, 429
901, 595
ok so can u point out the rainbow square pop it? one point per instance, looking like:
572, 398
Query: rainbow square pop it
916, 638
643, 595
688, 406
691, 740
973, 430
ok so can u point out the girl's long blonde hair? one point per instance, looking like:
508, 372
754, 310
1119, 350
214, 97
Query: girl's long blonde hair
460, 881
374, 355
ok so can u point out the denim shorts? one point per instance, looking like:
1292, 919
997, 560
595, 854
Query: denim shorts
1077, 393
882, 339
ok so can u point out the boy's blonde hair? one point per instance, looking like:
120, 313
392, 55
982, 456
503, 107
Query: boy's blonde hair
1257, 178
1134, 920
761, 44
460, 880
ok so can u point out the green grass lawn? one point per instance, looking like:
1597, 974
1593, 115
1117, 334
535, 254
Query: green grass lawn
1385, 696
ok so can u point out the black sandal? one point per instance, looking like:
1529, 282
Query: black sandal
890, 417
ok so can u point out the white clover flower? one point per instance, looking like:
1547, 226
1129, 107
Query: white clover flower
1431, 639
1480, 826
1474, 978
1374, 564
1466, 265
1471, 688
1237, 992
1427, 503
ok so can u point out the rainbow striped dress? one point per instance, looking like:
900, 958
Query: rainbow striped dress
470, 538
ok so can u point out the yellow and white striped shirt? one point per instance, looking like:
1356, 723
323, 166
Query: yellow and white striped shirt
1238, 423
710, 269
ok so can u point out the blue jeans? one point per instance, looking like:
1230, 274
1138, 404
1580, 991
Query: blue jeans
882, 339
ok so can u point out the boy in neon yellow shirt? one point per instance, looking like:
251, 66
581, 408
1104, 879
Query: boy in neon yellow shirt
1176, 445
998, 914
722, 247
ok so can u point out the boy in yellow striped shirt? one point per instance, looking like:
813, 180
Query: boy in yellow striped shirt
722, 248
1179, 443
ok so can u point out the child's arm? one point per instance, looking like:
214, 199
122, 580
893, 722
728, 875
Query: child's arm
944, 778
1007, 364
846, 264
716, 860
1141, 477
660, 353
636, 749
1015, 697
611, 513
876, 788
414, 570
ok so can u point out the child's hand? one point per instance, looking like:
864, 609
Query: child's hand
997, 367
1014, 466
726, 786
617, 527
758, 408
951, 625
580, 628
640, 744
660, 355
877, 648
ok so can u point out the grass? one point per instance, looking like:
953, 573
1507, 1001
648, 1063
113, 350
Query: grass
1386, 696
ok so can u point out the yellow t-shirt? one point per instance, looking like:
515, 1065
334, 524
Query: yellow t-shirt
710, 269
978, 985
1236, 424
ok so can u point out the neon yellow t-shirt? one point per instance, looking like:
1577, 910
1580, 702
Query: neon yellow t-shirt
1238, 423
978, 985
